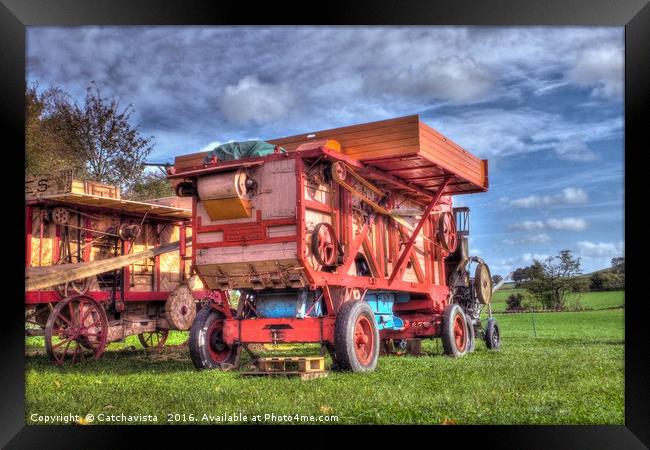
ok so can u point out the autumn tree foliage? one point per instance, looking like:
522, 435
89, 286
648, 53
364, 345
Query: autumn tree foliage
95, 138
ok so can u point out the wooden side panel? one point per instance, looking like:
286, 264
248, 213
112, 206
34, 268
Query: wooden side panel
450, 156
367, 140
189, 160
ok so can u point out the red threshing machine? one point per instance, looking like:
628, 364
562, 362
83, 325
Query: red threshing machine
343, 237
100, 268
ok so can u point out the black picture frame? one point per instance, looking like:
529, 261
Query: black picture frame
15, 15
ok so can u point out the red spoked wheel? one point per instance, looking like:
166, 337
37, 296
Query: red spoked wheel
154, 339
207, 348
447, 232
76, 324
324, 245
455, 334
363, 340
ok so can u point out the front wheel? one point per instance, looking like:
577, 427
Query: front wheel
207, 349
455, 333
356, 337
492, 335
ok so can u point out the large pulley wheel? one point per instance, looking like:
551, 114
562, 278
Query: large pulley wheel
324, 245
447, 236
356, 337
483, 283
76, 324
180, 308
154, 339
455, 333
207, 348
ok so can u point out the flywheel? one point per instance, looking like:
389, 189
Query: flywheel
483, 283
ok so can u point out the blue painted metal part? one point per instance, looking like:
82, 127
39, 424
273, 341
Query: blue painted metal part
284, 304
381, 303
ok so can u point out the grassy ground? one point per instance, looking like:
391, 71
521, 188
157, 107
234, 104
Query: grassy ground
571, 372
586, 300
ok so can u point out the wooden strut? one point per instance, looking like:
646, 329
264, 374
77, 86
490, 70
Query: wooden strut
397, 270
44, 277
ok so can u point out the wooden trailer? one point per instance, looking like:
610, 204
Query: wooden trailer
344, 237
100, 268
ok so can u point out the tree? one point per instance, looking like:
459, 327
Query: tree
523, 274
618, 264
151, 185
514, 302
606, 281
110, 147
96, 139
46, 145
496, 279
550, 281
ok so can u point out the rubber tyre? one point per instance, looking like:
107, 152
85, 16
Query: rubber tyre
452, 313
492, 335
347, 317
199, 342
472, 337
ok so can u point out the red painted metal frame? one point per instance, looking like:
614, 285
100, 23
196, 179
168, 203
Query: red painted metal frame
422, 314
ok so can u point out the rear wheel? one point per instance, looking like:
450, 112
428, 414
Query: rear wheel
356, 337
75, 324
207, 349
455, 334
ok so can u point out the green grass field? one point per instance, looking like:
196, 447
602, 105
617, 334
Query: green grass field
572, 372
587, 300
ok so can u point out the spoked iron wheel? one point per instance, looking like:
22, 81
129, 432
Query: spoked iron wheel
447, 232
324, 246
76, 324
154, 339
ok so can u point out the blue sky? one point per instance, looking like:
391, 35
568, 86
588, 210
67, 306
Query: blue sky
543, 104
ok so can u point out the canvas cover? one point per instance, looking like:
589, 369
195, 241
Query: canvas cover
240, 150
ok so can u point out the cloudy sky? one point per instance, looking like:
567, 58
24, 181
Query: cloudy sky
543, 105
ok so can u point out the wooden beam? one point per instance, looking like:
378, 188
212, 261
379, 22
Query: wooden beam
397, 270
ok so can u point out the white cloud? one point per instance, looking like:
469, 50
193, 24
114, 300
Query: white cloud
575, 151
528, 225
573, 195
490, 132
601, 249
211, 146
601, 69
567, 223
541, 238
447, 78
568, 196
251, 100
